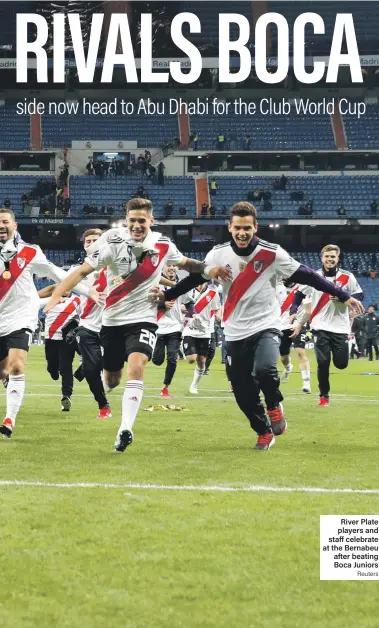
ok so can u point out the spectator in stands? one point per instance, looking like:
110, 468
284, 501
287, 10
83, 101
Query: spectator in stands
168, 208
213, 187
107, 210
147, 156
194, 140
212, 209
309, 208
7, 204
280, 184
99, 168
341, 211
221, 139
267, 206
89, 166
152, 171
374, 261
204, 210
373, 207
182, 210
224, 210
67, 206
160, 177
302, 210
247, 142
141, 192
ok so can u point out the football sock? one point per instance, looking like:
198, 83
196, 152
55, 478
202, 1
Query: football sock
288, 366
131, 402
15, 395
198, 374
306, 375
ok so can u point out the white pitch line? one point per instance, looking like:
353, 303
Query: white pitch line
228, 397
177, 487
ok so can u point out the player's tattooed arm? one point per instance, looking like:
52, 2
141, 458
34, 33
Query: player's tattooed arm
194, 266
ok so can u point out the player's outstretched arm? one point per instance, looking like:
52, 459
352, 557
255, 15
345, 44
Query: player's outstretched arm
193, 266
309, 277
47, 291
72, 280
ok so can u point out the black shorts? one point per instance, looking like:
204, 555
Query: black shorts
21, 339
301, 339
198, 346
119, 342
286, 342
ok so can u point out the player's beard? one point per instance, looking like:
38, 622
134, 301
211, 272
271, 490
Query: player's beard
5, 235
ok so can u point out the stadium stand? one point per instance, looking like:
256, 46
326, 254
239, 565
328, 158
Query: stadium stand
366, 29
267, 132
355, 193
61, 130
15, 129
114, 191
363, 133
12, 187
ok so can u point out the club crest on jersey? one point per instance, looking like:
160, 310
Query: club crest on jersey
21, 262
258, 266
155, 259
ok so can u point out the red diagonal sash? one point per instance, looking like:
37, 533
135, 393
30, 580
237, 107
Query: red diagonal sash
160, 314
289, 300
100, 285
63, 316
140, 274
254, 269
325, 298
204, 301
17, 265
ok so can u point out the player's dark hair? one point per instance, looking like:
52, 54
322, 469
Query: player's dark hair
6, 210
139, 203
243, 209
90, 232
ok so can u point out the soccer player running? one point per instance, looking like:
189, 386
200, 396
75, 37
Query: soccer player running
197, 334
169, 332
134, 258
58, 352
88, 332
252, 316
286, 294
329, 317
19, 306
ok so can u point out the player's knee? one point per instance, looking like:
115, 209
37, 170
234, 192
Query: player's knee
264, 371
112, 379
16, 366
191, 359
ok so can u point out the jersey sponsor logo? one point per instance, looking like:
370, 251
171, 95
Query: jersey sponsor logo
136, 277
245, 280
325, 298
27, 253
242, 266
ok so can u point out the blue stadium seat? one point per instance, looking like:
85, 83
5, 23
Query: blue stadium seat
14, 129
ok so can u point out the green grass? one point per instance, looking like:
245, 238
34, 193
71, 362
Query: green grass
137, 557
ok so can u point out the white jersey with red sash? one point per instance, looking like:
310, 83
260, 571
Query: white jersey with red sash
92, 314
205, 307
285, 297
131, 273
326, 313
250, 301
19, 301
170, 321
59, 316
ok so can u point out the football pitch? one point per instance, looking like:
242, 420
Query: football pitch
190, 526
